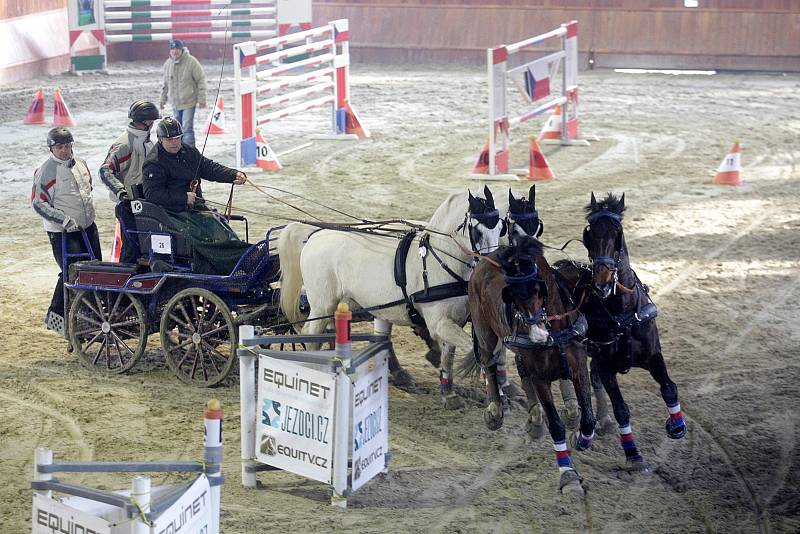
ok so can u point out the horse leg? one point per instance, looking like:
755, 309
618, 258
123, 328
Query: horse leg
493, 413
434, 354
633, 459
534, 426
452, 336
450, 398
569, 478
605, 423
398, 377
317, 326
675, 425
580, 381
572, 413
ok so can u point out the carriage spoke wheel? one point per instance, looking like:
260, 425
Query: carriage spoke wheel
108, 330
198, 335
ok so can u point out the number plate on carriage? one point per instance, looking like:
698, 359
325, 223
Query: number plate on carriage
161, 243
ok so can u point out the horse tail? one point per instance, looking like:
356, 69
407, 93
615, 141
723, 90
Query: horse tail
290, 245
469, 366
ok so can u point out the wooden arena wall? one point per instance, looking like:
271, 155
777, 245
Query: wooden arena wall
719, 34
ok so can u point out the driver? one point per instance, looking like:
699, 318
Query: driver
171, 178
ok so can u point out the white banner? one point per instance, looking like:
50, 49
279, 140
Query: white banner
370, 423
52, 517
191, 514
295, 425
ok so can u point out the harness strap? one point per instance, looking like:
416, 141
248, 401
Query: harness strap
425, 242
400, 256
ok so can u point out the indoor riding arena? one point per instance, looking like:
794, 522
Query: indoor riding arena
691, 109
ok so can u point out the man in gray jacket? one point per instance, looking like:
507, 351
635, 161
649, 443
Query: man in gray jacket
184, 87
62, 196
121, 171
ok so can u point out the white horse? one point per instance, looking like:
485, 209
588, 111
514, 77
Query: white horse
338, 266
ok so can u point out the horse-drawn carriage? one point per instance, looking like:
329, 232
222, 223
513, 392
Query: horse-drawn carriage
112, 308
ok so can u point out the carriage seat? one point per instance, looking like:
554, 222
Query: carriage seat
153, 219
101, 273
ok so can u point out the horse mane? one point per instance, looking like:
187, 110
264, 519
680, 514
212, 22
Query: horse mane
610, 203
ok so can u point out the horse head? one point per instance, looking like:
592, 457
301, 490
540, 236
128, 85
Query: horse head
483, 223
604, 241
525, 288
523, 219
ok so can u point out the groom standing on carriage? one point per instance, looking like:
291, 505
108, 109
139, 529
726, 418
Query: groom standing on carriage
171, 179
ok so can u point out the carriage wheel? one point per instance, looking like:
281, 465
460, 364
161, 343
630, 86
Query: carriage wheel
108, 330
198, 335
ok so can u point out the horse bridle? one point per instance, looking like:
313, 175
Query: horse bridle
513, 219
610, 263
541, 314
483, 218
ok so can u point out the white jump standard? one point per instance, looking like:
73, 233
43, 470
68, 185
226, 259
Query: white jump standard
534, 80
319, 414
226, 21
272, 82
192, 507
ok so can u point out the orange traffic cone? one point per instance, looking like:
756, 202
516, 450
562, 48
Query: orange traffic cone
729, 170
216, 120
265, 157
116, 246
61, 114
482, 165
552, 128
35, 113
352, 123
539, 168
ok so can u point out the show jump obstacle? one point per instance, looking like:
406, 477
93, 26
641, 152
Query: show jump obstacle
192, 507
320, 414
273, 82
534, 80
119, 21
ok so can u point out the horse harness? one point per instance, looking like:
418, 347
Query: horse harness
619, 325
430, 293
556, 339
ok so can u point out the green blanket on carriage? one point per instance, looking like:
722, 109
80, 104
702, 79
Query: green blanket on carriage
215, 246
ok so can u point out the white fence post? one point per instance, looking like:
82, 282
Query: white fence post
247, 399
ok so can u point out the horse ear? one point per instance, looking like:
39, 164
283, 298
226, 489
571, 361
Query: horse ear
488, 194
622, 203
532, 195
593, 202
511, 198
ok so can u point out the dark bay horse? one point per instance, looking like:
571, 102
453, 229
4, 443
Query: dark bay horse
515, 301
621, 316
523, 220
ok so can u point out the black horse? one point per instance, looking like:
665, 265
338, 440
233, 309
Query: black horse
622, 319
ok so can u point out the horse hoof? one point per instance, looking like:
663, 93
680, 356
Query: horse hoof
605, 425
572, 418
402, 379
434, 357
636, 463
453, 401
675, 432
493, 416
570, 484
577, 444
535, 430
